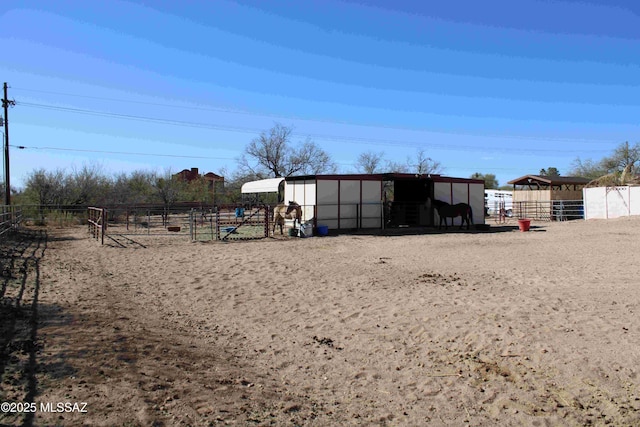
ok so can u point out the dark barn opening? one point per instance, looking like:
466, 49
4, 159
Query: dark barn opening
408, 201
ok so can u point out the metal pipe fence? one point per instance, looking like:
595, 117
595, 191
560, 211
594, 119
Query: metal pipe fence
230, 222
54, 215
549, 210
10, 219
97, 223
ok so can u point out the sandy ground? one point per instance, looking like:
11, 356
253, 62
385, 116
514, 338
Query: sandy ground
487, 328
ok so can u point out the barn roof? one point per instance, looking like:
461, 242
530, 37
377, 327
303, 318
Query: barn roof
384, 177
545, 181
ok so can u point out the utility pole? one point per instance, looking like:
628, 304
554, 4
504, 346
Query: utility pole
7, 185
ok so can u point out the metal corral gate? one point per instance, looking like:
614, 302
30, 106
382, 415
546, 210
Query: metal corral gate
230, 223
148, 221
549, 210
97, 223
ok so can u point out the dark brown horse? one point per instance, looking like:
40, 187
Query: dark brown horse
445, 210
281, 212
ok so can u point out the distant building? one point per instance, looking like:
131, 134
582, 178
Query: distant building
193, 175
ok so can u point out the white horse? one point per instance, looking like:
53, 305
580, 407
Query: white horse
281, 212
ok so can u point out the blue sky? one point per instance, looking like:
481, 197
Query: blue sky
502, 87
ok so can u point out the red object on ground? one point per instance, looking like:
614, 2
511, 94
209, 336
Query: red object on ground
524, 224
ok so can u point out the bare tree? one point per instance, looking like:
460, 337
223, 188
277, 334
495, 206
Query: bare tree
624, 160
369, 162
397, 167
273, 154
587, 168
313, 160
423, 164
623, 157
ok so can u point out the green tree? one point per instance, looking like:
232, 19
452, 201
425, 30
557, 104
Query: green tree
133, 188
490, 180
45, 188
169, 188
87, 185
550, 172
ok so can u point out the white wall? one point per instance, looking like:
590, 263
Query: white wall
327, 203
476, 200
349, 201
303, 193
461, 192
371, 209
611, 202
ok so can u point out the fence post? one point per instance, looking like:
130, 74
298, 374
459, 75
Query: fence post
217, 224
104, 224
266, 220
211, 224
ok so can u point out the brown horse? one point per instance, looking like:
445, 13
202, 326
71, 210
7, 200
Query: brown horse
281, 212
445, 210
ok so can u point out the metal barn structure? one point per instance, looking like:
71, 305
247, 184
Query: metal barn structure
548, 198
375, 201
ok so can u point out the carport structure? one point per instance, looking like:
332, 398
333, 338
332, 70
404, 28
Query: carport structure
548, 197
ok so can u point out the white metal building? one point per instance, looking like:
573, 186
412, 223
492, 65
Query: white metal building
362, 201
381, 200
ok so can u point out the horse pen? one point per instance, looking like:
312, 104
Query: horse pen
123, 225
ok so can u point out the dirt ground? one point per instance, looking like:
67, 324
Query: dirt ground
486, 328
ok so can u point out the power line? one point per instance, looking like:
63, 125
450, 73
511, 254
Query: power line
370, 141
128, 153
235, 111
22, 147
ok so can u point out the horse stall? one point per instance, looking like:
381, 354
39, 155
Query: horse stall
377, 201
370, 201
338, 202
460, 190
